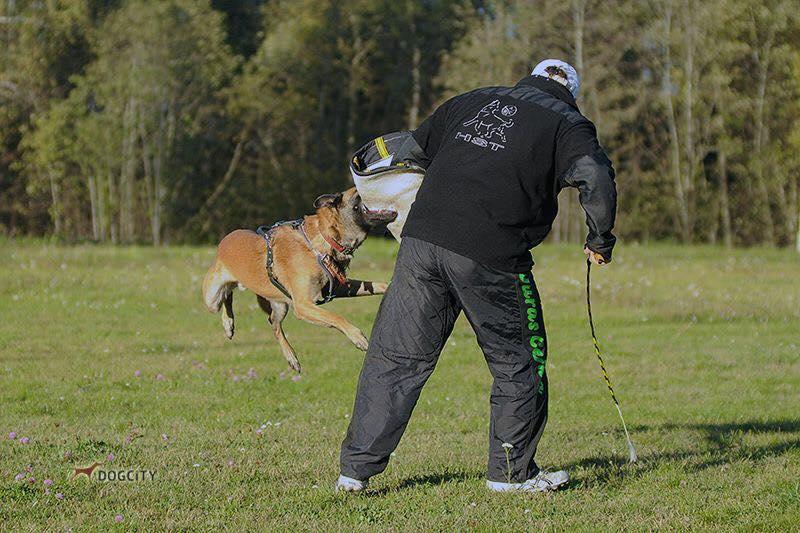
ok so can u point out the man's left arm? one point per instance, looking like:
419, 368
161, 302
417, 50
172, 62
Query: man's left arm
582, 163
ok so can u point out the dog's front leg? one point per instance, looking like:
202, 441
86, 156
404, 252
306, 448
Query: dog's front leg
306, 310
357, 287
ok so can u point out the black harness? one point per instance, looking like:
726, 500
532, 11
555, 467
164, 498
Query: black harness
328, 292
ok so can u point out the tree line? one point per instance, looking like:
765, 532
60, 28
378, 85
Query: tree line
166, 121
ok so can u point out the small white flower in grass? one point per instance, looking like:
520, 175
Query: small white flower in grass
527, 511
196, 465
473, 504
507, 447
19, 477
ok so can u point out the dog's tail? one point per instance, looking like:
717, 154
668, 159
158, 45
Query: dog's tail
217, 285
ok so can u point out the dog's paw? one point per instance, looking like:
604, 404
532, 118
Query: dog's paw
379, 287
360, 341
295, 365
229, 329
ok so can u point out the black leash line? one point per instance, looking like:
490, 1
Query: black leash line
631, 450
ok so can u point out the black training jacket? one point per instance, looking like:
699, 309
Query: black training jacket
496, 159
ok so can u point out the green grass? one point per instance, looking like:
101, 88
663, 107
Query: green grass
702, 344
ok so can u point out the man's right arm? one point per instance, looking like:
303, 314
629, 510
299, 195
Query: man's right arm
430, 133
582, 163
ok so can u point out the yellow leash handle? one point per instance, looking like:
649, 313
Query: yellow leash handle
631, 450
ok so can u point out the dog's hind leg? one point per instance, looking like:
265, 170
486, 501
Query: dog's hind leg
218, 286
277, 311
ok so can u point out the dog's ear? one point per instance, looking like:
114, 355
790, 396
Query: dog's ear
328, 200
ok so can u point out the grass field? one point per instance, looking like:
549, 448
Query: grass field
109, 352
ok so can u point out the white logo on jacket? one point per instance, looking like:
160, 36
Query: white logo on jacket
489, 122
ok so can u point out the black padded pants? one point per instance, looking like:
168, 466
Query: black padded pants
430, 287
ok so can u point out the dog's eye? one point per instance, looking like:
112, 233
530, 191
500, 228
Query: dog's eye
355, 207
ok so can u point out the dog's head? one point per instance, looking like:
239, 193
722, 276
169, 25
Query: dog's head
345, 213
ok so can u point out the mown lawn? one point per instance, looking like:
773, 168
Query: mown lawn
110, 351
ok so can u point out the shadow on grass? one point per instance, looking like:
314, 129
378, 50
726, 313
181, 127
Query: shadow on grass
720, 444
434, 479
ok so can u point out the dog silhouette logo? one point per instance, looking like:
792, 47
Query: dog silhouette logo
491, 120
85, 471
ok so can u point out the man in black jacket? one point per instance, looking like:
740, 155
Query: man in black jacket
496, 159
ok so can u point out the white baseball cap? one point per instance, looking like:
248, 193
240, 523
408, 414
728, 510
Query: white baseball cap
572, 82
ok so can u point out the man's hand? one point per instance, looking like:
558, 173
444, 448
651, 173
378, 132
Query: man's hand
595, 258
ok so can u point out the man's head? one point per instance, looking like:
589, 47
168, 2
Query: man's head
560, 72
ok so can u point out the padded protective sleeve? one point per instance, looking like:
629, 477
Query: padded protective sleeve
583, 164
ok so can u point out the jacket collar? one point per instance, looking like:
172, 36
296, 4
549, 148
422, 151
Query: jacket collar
551, 87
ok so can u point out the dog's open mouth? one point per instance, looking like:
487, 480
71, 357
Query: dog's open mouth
378, 215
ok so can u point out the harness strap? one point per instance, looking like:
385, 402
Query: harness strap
324, 260
267, 234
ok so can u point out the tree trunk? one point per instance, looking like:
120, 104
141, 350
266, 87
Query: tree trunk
761, 56
93, 201
102, 207
113, 206
55, 205
127, 224
675, 154
416, 79
357, 57
725, 209
688, 117
797, 239
572, 204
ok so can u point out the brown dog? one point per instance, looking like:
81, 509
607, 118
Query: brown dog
300, 257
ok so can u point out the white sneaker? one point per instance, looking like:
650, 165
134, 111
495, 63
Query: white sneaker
543, 481
348, 484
